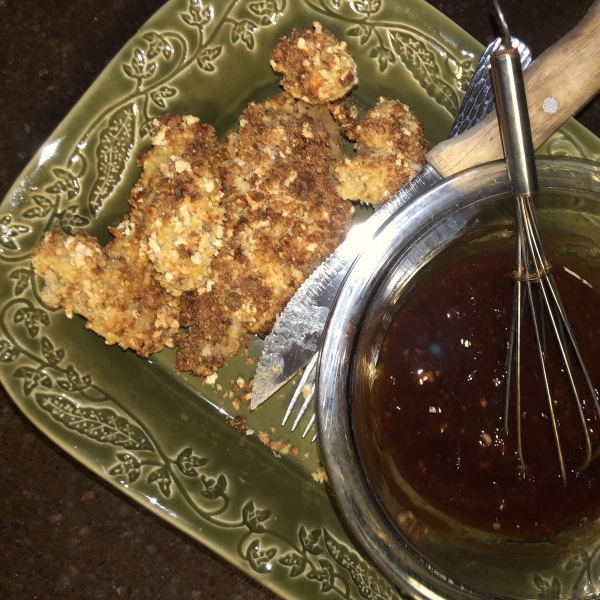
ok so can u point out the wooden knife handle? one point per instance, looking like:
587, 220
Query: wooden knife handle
558, 84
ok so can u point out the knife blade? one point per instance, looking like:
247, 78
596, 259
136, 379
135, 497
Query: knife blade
559, 83
296, 335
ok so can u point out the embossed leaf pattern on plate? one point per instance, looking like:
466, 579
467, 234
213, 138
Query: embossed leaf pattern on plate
433, 65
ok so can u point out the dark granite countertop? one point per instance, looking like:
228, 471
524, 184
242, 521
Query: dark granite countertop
64, 533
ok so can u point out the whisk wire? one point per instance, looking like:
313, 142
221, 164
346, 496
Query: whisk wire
534, 267
575, 347
515, 342
510, 354
527, 271
521, 308
548, 285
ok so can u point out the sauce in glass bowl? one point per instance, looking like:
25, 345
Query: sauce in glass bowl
439, 398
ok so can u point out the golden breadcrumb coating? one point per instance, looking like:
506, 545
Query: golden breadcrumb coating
112, 287
129, 290
390, 150
316, 67
345, 116
176, 218
219, 238
284, 217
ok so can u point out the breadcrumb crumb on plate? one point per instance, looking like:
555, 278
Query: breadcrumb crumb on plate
279, 448
316, 67
320, 475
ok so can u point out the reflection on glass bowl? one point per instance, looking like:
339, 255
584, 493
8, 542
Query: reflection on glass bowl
421, 548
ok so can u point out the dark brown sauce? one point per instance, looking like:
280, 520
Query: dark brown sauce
440, 393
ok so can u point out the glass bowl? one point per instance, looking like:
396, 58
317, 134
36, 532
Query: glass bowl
440, 556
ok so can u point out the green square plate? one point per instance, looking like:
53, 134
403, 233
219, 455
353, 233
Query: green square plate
160, 436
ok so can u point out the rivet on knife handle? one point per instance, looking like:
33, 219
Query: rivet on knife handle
558, 84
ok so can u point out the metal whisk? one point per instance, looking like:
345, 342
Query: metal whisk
533, 268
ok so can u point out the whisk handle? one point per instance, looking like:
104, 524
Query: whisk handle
513, 118
558, 84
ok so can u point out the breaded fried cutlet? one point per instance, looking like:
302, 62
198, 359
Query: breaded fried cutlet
129, 290
219, 238
176, 218
112, 287
390, 151
316, 67
284, 217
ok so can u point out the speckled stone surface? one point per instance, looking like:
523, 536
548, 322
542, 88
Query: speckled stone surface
63, 532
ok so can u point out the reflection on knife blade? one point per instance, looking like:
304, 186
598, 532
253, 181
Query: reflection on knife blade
297, 333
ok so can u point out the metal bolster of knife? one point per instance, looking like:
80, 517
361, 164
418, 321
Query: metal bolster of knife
478, 101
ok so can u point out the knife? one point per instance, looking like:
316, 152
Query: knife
297, 332
295, 337
557, 85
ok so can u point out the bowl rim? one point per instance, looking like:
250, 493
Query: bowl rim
402, 565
